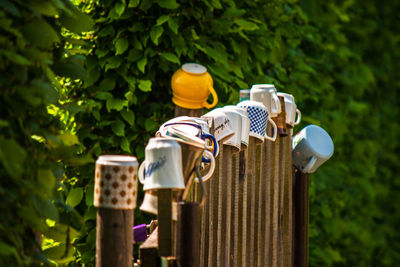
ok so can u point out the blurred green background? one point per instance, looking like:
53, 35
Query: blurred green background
83, 78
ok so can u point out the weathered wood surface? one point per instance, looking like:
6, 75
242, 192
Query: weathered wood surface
148, 251
300, 194
165, 231
114, 237
247, 219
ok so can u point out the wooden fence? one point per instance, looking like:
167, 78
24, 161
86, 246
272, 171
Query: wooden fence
248, 218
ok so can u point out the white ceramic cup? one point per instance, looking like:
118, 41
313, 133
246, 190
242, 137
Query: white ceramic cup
222, 125
244, 136
192, 126
258, 116
312, 146
236, 121
162, 167
291, 109
150, 205
267, 95
195, 143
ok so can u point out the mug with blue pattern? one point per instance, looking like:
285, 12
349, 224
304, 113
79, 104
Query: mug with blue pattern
259, 118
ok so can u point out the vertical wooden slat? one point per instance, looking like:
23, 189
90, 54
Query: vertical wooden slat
227, 179
165, 242
275, 202
300, 199
288, 200
258, 188
242, 214
267, 207
215, 226
250, 202
281, 211
235, 222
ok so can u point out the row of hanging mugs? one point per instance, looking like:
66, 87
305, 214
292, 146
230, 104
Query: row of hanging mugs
184, 150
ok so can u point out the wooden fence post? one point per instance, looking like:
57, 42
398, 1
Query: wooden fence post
115, 196
300, 195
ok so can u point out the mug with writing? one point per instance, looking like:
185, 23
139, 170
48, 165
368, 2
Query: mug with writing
291, 109
244, 136
258, 116
267, 95
162, 167
236, 121
191, 86
222, 126
312, 146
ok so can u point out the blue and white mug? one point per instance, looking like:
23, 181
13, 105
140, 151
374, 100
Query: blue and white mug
259, 118
162, 167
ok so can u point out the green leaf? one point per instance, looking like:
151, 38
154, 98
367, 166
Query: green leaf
128, 115
162, 19
118, 128
173, 25
107, 84
117, 104
169, 4
246, 25
171, 57
7, 250
40, 33
74, 197
89, 195
119, 8
155, 33
150, 124
121, 46
113, 62
125, 145
68, 139
76, 21
133, 3
141, 64
12, 157
145, 85
49, 210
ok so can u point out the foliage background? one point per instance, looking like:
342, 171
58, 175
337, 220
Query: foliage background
74, 86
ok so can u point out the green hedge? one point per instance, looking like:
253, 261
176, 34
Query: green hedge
339, 59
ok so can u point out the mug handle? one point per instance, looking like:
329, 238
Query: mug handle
212, 166
298, 116
273, 138
309, 165
275, 104
215, 98
215, 143
141, 170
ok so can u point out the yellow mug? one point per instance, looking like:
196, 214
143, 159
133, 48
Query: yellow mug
191, 86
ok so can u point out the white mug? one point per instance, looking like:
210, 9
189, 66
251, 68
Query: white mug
150, 205
222, 125
267, 95
312, 146
194, 127
244, 136
197, 146
258, 116
291, 109
236, 121
162, 167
